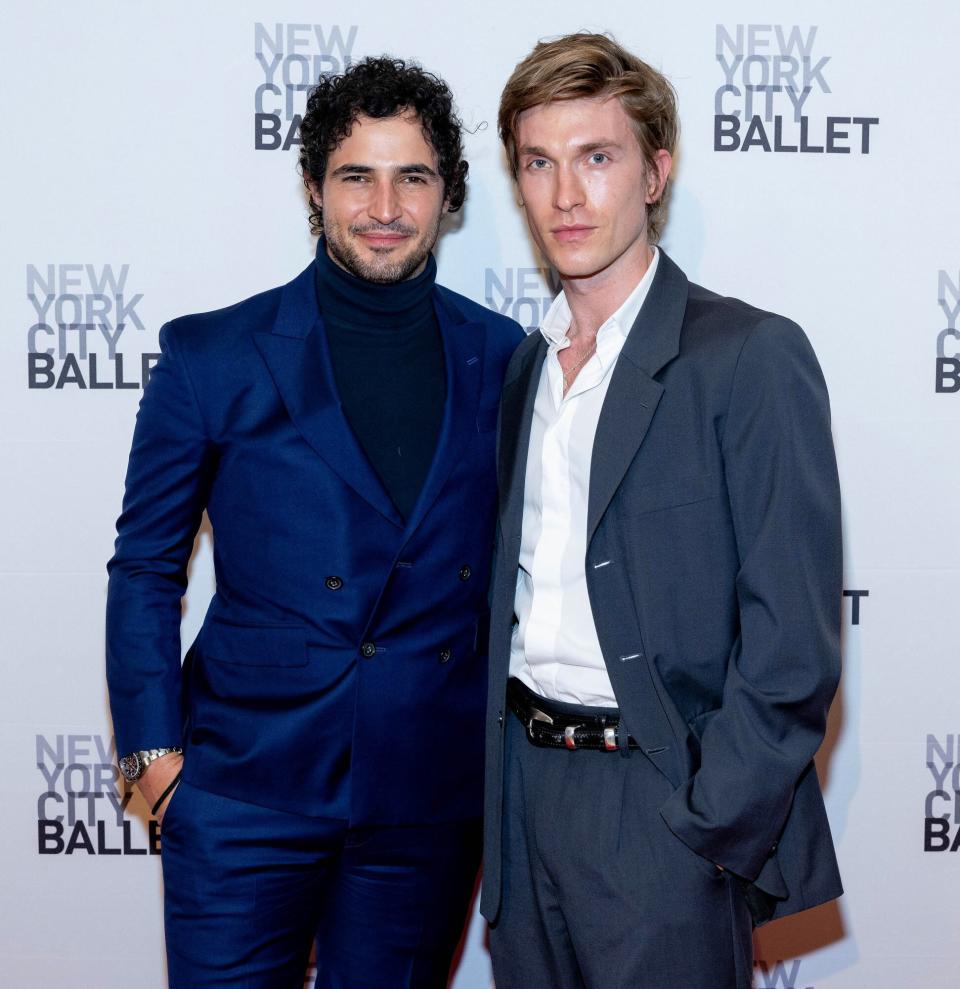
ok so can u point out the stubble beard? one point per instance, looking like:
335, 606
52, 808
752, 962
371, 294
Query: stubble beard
384, 270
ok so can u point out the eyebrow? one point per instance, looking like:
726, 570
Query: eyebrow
414, 169
580, 148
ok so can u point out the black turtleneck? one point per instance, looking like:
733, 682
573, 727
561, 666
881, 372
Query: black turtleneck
388, 365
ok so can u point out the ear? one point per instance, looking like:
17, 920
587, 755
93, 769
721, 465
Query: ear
316, 195
657, 175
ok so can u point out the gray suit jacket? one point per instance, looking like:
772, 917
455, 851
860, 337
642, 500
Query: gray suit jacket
714, 509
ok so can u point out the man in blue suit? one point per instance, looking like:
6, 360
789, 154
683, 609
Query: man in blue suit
317, 760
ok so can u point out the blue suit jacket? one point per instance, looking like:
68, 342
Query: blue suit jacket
714, 572
278, 702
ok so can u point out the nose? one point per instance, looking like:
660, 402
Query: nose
385, 204
568, 191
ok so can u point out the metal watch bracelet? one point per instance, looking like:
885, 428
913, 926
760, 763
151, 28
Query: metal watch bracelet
133, 766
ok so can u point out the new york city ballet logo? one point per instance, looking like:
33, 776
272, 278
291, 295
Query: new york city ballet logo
941, 806
779, 975
523, 294
81, 809
774, 79
948, 339
291, 58
84, 316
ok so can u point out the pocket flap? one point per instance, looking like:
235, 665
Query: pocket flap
642, 498
254, 645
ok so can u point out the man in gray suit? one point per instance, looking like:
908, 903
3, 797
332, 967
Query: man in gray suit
665, 607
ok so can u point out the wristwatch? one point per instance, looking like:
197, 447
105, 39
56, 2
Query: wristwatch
134, 765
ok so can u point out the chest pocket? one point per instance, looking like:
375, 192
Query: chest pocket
641, 499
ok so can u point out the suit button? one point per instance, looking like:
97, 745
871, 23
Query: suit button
367, 650
465, 573
499, 717
445, 655
334, 583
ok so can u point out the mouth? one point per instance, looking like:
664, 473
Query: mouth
380, 239
572, 234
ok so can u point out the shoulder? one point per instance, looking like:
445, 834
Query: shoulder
502, 331
197, 334
722, 313
769, 353
746, 331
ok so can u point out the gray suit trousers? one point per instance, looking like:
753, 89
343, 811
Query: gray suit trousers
598, 893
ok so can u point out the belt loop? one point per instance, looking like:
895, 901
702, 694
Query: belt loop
623, 738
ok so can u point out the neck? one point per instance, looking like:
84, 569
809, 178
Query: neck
593, 299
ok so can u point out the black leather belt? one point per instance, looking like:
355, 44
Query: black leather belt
552, 727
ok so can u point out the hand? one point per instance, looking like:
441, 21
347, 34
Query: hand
157, 777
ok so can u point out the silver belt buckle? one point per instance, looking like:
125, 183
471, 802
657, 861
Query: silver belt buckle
610, 739
537, 715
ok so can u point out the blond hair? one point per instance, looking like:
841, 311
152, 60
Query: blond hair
585, 65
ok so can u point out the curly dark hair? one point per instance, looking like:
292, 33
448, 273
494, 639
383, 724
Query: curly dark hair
381, 87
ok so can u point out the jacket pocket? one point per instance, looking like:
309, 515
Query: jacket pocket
639, 499
254, 645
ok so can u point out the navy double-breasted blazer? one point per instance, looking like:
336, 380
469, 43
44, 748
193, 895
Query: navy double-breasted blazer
341, 667
714, 573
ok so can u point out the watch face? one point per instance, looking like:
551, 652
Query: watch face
131, 767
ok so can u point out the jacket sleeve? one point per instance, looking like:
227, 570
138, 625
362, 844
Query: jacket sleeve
784, 668
166, 488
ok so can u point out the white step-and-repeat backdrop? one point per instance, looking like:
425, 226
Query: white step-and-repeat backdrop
148, 163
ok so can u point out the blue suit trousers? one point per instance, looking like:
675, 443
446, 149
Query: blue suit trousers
247, 889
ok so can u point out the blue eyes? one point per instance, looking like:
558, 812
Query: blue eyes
539, 164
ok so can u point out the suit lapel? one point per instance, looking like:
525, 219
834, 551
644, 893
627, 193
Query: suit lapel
516, 417
463, 350
296, 353
633, 394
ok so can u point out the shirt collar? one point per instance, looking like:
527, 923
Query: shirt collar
558, 317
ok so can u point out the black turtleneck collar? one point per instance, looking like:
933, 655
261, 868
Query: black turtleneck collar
371, 305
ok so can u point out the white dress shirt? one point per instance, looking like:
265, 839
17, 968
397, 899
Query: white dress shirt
555, 651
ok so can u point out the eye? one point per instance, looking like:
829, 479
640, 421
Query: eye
355, 178
598, 158
414, 179
537, 164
